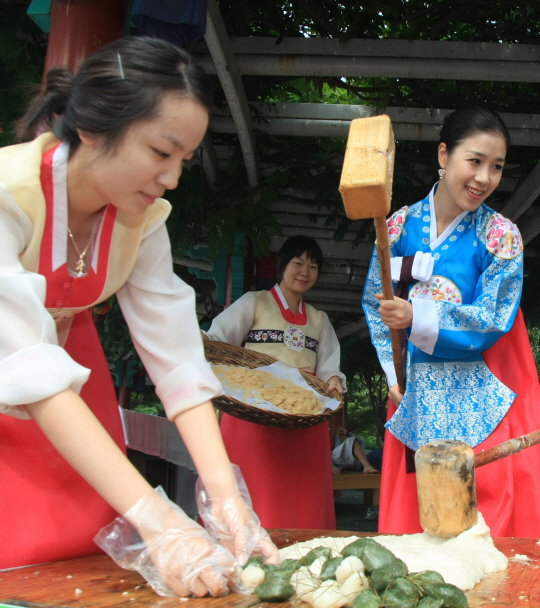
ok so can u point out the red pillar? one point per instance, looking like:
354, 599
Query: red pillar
79, 27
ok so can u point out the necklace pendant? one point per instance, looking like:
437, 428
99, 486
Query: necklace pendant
80, 267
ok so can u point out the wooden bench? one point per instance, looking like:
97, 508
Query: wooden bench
351, 480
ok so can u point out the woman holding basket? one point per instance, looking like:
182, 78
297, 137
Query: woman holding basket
288, 471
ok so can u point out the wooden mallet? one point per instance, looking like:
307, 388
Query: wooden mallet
366, 189
445, 477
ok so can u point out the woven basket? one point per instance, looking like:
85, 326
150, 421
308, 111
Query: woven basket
221, 353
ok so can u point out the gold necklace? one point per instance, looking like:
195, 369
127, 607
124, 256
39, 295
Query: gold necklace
81, 264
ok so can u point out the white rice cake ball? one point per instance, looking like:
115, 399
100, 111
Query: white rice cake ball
252, 576
348, 566
328, 595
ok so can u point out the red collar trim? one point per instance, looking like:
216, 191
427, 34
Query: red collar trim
300, 318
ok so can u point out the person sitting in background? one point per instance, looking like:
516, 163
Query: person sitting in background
349, 455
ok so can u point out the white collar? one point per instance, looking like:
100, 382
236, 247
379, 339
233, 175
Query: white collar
434, 240
59, 178
284, 301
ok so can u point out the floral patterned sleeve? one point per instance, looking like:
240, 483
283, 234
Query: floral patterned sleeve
469, 328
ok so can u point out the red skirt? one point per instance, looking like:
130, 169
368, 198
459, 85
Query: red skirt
288, 472
508, 490
48, 512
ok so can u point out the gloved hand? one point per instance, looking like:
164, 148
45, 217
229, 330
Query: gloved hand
170, 550
230, 519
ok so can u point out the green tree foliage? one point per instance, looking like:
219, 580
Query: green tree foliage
113, 331
218, 216
479, 21
22, 54
367, 391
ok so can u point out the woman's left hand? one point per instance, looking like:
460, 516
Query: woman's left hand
231, 521
396, 313
334, 384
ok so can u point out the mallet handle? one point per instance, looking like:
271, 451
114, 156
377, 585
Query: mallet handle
383, 249
512, 446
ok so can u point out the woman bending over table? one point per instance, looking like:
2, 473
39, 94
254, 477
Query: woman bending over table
82, 218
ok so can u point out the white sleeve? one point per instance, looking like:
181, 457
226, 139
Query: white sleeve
328, 354
390, 371
395, 268
160, 311
32, 365
425, 325
234, 323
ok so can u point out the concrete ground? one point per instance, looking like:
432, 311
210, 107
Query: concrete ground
351, 512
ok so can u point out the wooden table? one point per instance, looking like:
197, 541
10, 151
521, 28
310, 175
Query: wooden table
103, 585
351, 480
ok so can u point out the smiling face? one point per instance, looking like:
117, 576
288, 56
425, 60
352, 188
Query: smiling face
150, 157
473, 171
299, 275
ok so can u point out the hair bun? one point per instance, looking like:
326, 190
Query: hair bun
58, 88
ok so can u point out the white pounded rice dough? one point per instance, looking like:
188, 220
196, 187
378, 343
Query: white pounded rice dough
298, 550
462, 561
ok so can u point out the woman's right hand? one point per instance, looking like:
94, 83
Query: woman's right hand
396, 313
176, 555
334, 384
189, 562
395, 395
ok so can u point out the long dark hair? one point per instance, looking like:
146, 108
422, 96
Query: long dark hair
468, 121
294, 247
116, 86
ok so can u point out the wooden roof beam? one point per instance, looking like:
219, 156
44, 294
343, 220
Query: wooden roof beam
357, 327
524, 196
333, 120
224, 64
264, 56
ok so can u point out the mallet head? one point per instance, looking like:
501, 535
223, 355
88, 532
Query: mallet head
445, 477
368, 168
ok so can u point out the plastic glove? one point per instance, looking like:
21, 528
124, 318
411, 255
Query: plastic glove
177, 556
230, 520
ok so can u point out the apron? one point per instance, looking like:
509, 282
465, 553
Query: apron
288, 472
49, 512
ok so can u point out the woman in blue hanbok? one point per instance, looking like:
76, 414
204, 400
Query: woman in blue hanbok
470, 371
